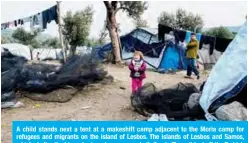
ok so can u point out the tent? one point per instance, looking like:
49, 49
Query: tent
157, 54
18, 50
229, 75
46, 53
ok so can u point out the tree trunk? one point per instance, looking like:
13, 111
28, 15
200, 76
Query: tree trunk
112, 28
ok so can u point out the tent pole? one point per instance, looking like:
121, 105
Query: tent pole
60, 30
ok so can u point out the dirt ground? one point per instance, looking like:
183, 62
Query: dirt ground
109, 102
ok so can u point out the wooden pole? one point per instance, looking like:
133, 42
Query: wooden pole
60, 30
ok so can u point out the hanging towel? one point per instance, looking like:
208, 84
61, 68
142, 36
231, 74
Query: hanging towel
198, 36
188, 36
36, 20
162, 30
15, 23
20, 22
49, 15
221, 44
179, 35
208, 40
4, 26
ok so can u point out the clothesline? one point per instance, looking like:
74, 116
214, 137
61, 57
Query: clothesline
220, 44
40, 19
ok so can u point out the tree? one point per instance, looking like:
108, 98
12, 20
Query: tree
140, 23
27, 38
53, 42
181, 19
76, 27
221, 32
134, 9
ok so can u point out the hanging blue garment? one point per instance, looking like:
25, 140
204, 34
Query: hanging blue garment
187, 37
198, 36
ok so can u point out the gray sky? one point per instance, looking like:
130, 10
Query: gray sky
214, 13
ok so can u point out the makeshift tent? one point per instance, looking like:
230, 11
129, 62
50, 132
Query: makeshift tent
205, 59
46, 53
18, 50
229, 76
158, 55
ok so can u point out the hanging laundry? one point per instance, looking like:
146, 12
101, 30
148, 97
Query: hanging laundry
4, 26
188, 36
11, 24
20, 22
221, 44
36, 20
198, 36
49, 15
208, 40
179, 35
15, 23
162, 30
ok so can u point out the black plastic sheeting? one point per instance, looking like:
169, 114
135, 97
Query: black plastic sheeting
169, 101
78, 71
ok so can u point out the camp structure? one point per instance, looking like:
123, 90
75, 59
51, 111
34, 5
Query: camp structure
18, 50
157, 54
228, 78
46, 53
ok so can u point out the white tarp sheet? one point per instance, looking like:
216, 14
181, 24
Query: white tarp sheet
230, 69
18, 50
45, 53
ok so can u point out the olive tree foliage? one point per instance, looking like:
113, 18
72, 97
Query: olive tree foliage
134, 9
52, 43
140, 23
221, 32
27, 38
181, 20
76, 27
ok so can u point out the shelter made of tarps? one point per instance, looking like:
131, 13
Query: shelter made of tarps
83, 50
229, 76
18, 50
157, 54
207, 60
46, 53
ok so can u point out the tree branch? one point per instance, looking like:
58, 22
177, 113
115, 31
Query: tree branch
122, 8
114, 4
107, 4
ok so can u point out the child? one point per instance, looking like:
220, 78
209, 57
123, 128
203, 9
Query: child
137, 68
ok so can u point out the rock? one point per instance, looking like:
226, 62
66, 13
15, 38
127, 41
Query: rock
163, 117
231, 112
59, 95
122, 88
194, 100
154, 117
86, 107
